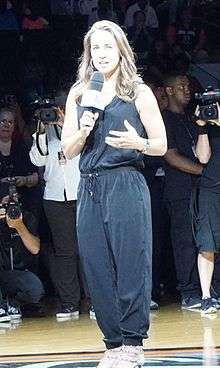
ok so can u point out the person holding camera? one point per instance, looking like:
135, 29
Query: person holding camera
182, 171
61, 181
208, 224
19, 242
15, 162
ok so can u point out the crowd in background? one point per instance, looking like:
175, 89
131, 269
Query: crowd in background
40, 43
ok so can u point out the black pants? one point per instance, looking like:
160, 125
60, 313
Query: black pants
63, 257
114, 233
21, 287
184, 249
163, 269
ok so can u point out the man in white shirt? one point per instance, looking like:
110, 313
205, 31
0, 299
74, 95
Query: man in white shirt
61, 182
142, 5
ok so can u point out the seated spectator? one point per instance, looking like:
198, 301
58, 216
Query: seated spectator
33, 73
61, 7
89, 8
139, 37
105, 11
18, 243
151, 21
186, 34
32, 19
159, 59
8, 20
11, 102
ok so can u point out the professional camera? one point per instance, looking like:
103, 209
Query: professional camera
46, 108
207, 102
12, 208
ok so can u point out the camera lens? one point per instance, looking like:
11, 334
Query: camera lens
210, 112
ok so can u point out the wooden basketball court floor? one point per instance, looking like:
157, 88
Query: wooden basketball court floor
172, 330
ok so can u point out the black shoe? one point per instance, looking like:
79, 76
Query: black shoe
208, 306
67, 312
4, 316
191, 302
153, 305
14, 312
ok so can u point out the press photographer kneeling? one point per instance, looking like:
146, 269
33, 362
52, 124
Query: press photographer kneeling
19, 243
208, 220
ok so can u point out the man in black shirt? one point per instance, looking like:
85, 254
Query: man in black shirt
181, 172
19, 242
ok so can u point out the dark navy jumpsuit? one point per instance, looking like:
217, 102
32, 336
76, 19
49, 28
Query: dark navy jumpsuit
114, 229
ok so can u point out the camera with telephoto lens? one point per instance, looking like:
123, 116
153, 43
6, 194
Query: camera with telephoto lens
46, 108
207, 102
13, 207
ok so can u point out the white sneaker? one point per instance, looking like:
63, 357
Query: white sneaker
110, 358
131, 357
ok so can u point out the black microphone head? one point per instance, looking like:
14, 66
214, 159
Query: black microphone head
92, 97
96, 81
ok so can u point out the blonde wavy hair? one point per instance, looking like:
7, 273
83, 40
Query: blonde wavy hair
128, 78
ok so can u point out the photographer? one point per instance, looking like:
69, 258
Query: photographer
15, 162
19, 242
208, 224
61, 181
182, 172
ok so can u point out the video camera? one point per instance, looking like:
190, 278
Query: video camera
13, 207
45, 108
207, 102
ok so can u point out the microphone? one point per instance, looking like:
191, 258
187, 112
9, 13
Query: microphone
92, 97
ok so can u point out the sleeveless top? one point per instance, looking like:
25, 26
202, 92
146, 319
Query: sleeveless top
97, 155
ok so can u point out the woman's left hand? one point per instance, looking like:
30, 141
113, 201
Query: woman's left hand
128, 139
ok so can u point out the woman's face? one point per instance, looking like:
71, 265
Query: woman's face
6, 125
104, 52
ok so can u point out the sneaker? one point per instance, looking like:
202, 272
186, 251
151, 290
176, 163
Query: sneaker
208, 307
92, 313
4, 316
215, 295
216, 303
191, 303
153, 305
14, 312
131, 357
67, 312
110, 358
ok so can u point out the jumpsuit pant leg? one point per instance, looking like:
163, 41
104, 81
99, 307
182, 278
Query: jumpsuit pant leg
184, 248
63, 258
115, 243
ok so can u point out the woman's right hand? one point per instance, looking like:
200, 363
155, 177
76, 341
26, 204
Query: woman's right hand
87, 122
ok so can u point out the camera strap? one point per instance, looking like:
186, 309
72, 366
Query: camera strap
37, 139
38, 145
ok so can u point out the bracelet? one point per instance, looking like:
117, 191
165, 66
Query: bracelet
146, 146
202, 129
